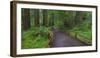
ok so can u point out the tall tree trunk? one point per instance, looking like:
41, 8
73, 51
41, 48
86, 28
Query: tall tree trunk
41, 17
26, 19
32, 17
45, 17
52, 19
36, 17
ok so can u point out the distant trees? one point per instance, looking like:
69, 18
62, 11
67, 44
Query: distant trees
57, 18
79, 17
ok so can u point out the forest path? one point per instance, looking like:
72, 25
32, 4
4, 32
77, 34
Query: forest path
60, 39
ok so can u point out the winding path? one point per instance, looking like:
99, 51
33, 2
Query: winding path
60, 39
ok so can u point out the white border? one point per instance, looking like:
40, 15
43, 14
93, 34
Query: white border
50, 50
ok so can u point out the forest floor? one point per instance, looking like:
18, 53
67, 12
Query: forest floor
61, 39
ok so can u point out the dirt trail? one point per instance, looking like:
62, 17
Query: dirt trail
60, 39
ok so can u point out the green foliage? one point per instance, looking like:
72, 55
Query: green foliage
35, 37
76, 23
83, 33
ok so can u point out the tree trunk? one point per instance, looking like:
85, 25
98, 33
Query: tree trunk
26, 19
36, 17
45, 17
